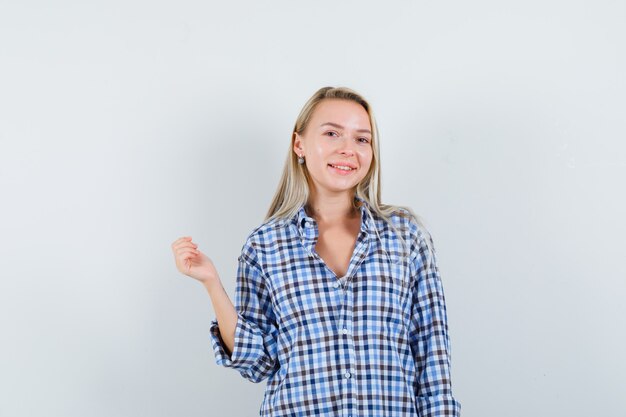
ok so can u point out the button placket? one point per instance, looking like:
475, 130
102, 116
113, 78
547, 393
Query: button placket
343, 294
347, 306
351, 387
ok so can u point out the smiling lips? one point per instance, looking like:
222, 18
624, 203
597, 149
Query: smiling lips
342, 168
347, 166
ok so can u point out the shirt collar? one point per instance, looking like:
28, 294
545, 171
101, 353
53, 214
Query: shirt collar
307, 226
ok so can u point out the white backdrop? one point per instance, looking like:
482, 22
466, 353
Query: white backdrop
127, 124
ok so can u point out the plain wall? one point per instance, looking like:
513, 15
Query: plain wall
127, 124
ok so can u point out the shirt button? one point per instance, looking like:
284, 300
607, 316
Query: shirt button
344, 331
336, 285
347, 374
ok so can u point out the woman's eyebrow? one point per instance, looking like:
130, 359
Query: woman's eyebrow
341, 127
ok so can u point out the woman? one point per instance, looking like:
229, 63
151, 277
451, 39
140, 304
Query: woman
339, 302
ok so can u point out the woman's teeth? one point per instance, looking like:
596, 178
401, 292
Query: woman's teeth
342, 167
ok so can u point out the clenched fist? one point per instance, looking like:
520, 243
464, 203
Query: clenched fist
191, 262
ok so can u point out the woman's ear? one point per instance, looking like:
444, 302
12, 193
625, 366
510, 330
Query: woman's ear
297, 144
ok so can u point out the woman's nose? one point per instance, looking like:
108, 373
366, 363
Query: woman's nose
347, 146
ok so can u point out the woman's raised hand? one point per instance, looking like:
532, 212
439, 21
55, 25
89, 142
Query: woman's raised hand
191, 262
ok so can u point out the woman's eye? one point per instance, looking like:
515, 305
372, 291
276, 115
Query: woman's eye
364, 140
331, 132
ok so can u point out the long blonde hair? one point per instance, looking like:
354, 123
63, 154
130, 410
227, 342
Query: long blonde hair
293, 188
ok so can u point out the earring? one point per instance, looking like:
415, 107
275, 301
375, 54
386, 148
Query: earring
301, 160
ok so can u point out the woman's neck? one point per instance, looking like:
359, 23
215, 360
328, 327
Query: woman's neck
331, 209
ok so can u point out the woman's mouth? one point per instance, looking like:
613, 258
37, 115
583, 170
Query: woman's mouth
341, 169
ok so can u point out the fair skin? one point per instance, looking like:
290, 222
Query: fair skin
339, 134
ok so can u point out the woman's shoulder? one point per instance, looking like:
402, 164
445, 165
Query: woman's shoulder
265, 237
403, 217
410, 224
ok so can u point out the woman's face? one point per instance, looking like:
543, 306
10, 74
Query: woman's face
338, 134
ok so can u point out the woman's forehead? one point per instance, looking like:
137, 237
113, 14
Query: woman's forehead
342, 114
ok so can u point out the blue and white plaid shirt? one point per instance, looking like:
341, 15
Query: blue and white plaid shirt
372, 343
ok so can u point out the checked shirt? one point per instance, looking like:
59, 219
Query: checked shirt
371, 343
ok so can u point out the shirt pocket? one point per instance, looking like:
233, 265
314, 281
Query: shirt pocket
302, 300
383, 299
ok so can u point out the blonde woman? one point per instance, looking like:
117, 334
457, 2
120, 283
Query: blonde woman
339, 303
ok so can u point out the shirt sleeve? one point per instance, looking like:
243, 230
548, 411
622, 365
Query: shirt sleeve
428, 334
255, 351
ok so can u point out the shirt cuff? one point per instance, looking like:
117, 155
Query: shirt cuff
438, 406
219, 347
248, 344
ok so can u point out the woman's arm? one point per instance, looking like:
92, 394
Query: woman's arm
243, 335
225, 313
192, 262
252, 332
429, 337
